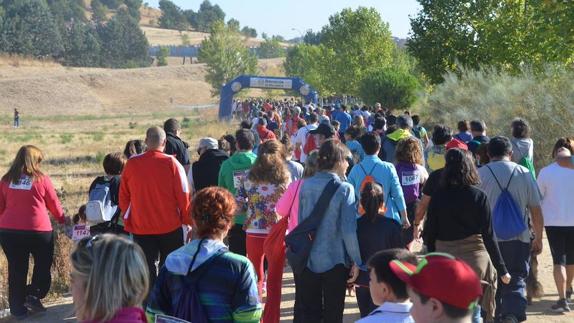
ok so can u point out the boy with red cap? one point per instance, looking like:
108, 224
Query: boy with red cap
443, 289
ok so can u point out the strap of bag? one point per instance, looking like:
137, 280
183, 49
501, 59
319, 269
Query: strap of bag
294, 197
195, 275
496, 179
321, 205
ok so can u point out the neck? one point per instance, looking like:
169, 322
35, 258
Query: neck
503, 158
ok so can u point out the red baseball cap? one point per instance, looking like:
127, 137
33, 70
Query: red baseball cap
441, 276
455, 143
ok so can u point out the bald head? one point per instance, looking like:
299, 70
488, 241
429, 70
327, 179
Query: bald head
155, 138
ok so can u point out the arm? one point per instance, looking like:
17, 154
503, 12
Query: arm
349, 225
2, 197
52, 202
245, 305
124, 195
538, 227
286, 200
398, 196
488, 236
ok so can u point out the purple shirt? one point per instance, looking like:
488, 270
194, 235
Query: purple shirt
411, 177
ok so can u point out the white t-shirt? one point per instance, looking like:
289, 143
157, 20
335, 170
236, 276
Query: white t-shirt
556, 185
301, 138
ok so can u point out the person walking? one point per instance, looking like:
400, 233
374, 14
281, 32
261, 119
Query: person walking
334, 257
232, 173
459, 223
511, 298
155, 206
389, 145
522, 145
220, 282
26, 196
16, 118
205, 171
556, 183
174, 145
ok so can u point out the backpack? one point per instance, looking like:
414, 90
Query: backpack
368, 179
417, 131
526, 162
189, 307
310, 144
507, 218
100, 207
435, 159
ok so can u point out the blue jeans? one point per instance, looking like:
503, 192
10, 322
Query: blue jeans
476, 315
511, 298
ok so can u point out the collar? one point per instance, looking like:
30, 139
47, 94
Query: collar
390, 307
371, 157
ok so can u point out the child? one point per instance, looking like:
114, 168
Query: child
387, 290
80, 217
441, 288
351, 136
113, 165
412, 176
109, 280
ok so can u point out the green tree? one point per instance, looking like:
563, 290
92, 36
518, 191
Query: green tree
360, 41
82, 46
28, 28
392, 87
123, 42
162, 56
99, 12
208, 15
271, 48
226, 56
172, 16
134, 8
249, 32
191, 18
310, 63
112, 4
234, 24
312, 38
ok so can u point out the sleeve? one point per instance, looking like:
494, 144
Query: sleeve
533, 190
52, 202
349, 225
542, 183
159, 299
181, 192
124, 196
431, 225
284, 203
183, 155
397, 191
2, 196
353, 180
245, 305
115, 190
488, 236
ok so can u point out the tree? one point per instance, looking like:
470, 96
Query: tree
312, 38
234, 24
208, 15
185, 40
28, 28
264, 36
123, 42
249, 32
134, 8
271, 48
112, 4
162, 56
392, 87
172, 16
191, 18
226, 56
98, 11
82, 46
360, 41
310, 63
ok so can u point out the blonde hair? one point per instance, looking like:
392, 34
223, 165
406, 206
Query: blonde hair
115, 273
27, 162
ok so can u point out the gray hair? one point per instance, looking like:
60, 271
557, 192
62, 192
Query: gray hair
155, 137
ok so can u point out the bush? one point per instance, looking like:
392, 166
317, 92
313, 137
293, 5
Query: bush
162, 56
392, 87
545, 100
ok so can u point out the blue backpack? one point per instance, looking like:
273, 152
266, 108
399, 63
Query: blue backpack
507, 218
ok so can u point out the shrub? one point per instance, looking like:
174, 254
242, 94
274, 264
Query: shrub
545, 100
162, 56
392, 87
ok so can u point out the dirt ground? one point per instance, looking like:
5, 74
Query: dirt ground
539, 312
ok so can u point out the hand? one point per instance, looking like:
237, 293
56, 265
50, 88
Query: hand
506, 279
537, 246
406, 223
353, 274
417, 230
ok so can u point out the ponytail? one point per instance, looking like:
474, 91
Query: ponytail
372, 200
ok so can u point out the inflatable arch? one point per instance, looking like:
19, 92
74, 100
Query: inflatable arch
261, 82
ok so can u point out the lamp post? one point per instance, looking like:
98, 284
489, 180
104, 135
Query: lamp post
300, 34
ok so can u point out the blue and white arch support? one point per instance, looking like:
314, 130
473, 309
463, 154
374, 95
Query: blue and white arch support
262, 82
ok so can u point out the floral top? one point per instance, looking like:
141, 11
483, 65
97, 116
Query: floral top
258, 200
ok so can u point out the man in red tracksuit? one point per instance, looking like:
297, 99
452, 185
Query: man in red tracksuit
155, 196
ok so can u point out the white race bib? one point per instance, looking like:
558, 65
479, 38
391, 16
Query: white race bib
25, 183
80, 231
409, 179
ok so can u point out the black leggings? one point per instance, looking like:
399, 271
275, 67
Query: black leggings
561, 241
17, 246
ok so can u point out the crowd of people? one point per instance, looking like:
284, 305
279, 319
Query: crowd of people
340, 194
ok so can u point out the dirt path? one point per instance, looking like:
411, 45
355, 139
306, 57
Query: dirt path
539, 312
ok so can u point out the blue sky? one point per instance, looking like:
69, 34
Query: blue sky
279, 17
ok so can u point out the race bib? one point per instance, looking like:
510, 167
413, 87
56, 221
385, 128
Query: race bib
160, 318
238, 178
25, 183
409, 179
80, 231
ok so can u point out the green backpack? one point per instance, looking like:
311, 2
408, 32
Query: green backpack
527, 162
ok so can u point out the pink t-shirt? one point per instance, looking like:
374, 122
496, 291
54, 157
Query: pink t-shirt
25, 205
288, 204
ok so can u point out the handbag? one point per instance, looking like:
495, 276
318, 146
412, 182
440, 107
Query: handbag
275, 241
300, 241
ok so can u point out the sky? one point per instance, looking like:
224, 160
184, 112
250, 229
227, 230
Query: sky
291, 18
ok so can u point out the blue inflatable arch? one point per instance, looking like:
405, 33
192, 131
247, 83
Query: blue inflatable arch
262, 82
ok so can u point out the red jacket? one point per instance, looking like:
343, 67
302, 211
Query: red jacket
24, 206
154, 194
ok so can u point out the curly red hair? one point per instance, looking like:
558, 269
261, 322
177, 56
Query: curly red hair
212, 211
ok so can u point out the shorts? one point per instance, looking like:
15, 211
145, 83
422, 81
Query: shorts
561, 240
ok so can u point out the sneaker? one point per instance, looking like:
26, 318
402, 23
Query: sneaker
508, 319
34, 304
21, 317
569, 293
561, 306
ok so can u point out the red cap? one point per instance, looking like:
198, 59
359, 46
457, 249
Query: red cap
455, 143
443, 277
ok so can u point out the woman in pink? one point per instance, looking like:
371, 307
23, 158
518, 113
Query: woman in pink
26, 196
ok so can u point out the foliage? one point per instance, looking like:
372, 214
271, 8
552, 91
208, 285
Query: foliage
134, 8
162, 56
312, 38
226, 56
29, 28
67, 10
123, 42
207, 16
98, 11
271, 48
82, 46
112, 4
309, 63
506, 34
545, 99
234, 24
360, 41
185, 40
393, 87
172, 17
249, 32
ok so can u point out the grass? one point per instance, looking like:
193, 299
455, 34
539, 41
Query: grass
74, 148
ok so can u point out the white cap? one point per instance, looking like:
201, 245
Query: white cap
208, 143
